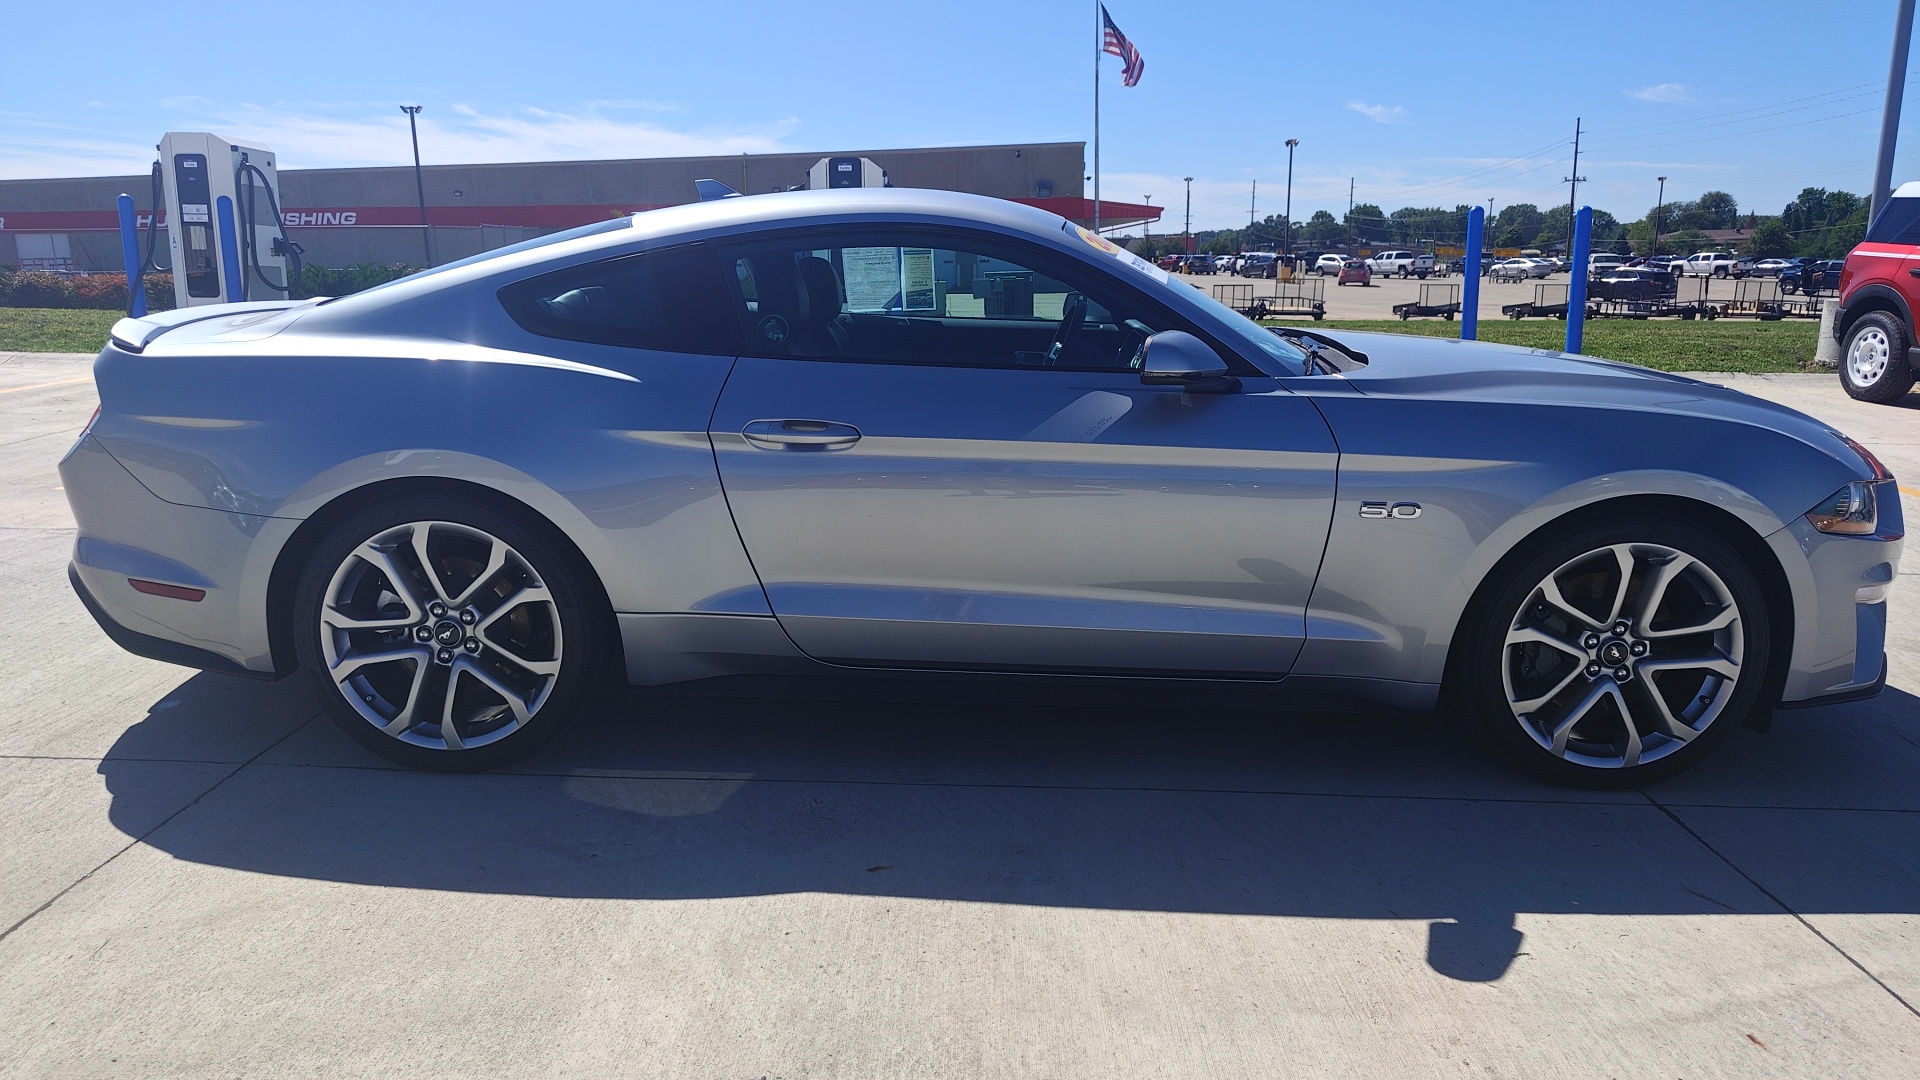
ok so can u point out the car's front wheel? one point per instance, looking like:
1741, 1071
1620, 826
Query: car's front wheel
1616, 655
1873, 365
443, 634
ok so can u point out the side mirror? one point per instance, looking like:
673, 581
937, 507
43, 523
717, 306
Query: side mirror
1175, 356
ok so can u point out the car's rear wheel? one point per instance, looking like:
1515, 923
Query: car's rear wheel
1873, 365
443, 634
1616, 655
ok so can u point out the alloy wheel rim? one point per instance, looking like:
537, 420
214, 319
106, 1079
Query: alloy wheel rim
440, 635
1867, 357
1623, 655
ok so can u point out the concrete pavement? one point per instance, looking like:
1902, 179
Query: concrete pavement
201, 877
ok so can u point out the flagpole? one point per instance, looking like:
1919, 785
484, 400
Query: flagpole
1099, 46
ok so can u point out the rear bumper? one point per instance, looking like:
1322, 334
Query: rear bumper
157, 648
127, 533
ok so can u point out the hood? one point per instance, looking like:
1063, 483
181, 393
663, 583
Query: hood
1445, 368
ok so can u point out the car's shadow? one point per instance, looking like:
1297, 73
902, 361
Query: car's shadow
1027, 801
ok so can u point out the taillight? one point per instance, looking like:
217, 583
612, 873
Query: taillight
96, 416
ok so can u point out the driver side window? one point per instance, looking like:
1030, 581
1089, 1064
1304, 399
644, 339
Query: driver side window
912, 297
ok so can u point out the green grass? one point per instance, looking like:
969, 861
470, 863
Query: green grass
54, 330
1722, 345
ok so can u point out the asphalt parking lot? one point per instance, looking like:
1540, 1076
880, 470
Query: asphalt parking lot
1376, 301
201, 877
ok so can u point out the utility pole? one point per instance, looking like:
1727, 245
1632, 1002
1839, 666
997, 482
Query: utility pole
419, 184
1186, 231
1287, 214
1573, 190
1349, 215
1252, 199
1890, 114
1146, 225
1659, 208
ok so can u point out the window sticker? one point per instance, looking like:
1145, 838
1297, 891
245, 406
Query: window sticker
916, 279
872, 277
1101, 243
880, 279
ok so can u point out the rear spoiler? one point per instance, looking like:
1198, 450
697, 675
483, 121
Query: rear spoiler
134, 335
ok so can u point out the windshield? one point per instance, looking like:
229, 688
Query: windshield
493, 253
1250, 332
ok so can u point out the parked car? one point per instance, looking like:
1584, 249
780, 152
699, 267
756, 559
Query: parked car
1639, 285
1708, 264
1402, 263
423, 513
1771, 267
1520, 269
1813, 277
1260, 264
1223, 264
1604, 262
1879, 294
1355, 272
1663, 262
1329, 263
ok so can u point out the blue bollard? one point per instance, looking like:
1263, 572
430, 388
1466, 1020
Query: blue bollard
230, 251
1470, 289
1577, 287
130, 254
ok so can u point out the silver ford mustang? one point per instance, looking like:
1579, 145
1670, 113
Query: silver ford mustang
858, 431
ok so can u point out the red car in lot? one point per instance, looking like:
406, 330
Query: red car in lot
1355, 271
1879, 294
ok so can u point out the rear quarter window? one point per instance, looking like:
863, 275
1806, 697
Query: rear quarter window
672, 301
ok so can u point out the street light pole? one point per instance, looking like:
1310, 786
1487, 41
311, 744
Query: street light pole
1146, 225
419, 184
1890, 114
1287, 214
1186, 231
1659, 206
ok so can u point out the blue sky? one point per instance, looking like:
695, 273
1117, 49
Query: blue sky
1759, 99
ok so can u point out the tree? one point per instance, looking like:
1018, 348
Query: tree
1518, 225
1719, 209
1770, 239
1322, 228
1367, 221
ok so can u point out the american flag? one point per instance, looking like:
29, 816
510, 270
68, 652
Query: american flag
1132, 66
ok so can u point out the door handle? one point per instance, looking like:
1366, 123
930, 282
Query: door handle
1913, 272
800, 434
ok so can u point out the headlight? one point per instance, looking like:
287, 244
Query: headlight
1851, 511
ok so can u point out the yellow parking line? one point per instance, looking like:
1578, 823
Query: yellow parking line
1905, 490
44, 385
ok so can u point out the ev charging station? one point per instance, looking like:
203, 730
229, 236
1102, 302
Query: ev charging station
846, 172
224, 228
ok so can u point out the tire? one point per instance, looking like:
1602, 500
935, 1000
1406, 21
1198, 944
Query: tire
1541, 676
1873, 362
492, 655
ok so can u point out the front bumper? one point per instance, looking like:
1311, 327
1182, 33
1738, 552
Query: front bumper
1839, 586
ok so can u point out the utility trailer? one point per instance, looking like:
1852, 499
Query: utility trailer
1441, 300
1549, 301
1763, 299
1297, 297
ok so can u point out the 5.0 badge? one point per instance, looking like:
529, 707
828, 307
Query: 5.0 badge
1401, 510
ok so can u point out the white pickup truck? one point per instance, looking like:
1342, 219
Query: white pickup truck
1708, 264
1403, 263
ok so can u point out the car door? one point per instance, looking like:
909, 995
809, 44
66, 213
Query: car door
940, 455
